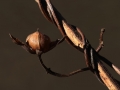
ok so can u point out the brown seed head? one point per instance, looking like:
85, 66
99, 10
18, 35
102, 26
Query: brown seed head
38, 41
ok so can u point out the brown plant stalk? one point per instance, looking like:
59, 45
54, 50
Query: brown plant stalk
77, 39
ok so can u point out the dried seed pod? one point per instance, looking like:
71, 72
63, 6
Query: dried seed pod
38, 41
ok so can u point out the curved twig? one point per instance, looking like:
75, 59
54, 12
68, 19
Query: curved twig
48, 70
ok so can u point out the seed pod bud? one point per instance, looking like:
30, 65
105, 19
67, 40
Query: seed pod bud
38, 41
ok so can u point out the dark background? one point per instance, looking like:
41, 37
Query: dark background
20, 70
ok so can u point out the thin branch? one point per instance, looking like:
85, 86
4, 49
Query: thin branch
101, 40
48, 70
23, 45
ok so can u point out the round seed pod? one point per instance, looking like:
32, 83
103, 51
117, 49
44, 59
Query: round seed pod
38, 41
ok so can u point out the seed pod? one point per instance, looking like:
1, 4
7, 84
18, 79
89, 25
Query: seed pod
38, 41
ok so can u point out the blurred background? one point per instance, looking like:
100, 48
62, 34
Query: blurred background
20, 70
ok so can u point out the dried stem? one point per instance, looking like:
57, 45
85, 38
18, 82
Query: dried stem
79, 41
48, 70
23, 45
109, 63
101, 40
